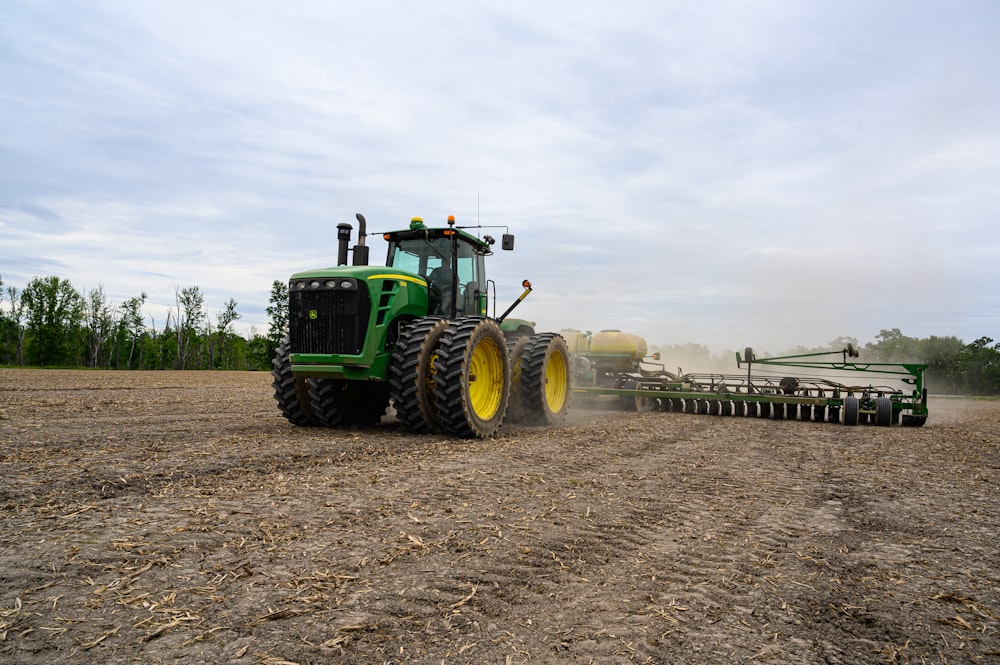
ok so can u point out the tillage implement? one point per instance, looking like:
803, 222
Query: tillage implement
415, 333
616, 365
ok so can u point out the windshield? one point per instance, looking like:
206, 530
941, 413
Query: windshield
421, 256
431, 258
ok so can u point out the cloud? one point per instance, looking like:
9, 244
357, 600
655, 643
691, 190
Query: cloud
771, 173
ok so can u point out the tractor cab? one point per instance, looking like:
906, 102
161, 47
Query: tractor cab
450, 260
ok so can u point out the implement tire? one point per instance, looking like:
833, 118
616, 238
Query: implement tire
883, 412
851, 406
412, 373
472, 387
291, 392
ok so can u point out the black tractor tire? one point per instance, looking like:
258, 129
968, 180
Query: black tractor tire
337, 402
324, 394
515, 405
472, 386
412, 373
291, 392
545, 381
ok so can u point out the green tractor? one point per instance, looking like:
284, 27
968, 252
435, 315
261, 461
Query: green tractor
415, 333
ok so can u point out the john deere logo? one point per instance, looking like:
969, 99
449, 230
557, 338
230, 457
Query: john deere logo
313, 314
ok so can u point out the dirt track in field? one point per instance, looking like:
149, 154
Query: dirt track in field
175, 517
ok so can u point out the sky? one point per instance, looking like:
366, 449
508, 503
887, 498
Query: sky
774, 174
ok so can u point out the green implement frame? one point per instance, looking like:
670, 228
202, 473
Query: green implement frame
769, 393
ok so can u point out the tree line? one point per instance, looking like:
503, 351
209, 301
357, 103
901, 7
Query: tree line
49, 323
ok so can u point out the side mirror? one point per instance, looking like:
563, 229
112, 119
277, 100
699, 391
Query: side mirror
507, 242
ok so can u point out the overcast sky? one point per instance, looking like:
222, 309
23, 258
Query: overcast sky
767, 173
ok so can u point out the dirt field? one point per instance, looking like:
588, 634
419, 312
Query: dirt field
175, 517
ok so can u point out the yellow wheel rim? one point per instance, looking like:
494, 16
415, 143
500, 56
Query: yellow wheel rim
556, 382
486, 379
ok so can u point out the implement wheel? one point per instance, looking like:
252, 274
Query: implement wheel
883, 411
851, 414
412, 373
545, 381
472, 386
643, 404
291, 392
913, 420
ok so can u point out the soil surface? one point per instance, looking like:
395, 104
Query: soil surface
159, 517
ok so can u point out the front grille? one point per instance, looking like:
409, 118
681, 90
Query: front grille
329, 321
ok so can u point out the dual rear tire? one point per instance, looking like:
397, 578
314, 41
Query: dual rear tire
464, 378
544, 385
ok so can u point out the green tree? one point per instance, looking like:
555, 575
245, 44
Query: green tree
277, 311
261, 348
100, 327
54, 312
131, 328
892, 346
11, 326
980, 366
943, 358
223, 332
260, 352
191, 319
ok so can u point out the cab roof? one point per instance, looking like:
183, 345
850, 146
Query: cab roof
421, 232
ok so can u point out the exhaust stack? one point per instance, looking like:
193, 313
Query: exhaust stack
343, 240
361, 249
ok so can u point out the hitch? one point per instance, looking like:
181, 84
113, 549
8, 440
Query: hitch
527, 289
